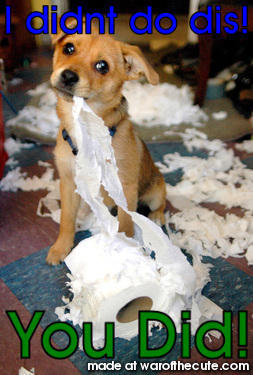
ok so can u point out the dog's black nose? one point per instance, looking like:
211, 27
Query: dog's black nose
69, 78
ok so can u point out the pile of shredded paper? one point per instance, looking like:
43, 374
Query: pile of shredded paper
164, 104
39, 117
220, 177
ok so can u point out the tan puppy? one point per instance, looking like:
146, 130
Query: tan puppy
95, 67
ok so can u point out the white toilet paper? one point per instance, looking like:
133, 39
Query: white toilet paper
112, 276
115, 279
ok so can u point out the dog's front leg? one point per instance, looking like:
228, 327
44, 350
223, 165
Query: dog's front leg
69, 206
125, 221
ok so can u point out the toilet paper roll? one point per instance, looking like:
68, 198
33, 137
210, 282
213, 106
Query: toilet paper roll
114, 282
123, 308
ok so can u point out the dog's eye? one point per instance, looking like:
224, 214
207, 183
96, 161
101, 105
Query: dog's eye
102, 67
69, 49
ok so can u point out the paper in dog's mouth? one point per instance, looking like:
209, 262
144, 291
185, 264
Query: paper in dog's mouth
125, 274
66, 94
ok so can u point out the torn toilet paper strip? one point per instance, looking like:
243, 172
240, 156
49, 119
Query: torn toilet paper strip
96, 165
125, 273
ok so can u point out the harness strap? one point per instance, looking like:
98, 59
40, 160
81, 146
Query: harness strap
74, 149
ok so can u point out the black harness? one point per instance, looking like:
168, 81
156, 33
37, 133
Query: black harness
74, 149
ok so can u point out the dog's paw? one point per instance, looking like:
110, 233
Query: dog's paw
127, 228
157, 217
56, 255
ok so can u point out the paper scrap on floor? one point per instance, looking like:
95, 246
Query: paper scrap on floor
220, 178
23, 371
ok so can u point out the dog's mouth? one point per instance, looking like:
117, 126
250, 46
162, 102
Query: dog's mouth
66, 93
63, 91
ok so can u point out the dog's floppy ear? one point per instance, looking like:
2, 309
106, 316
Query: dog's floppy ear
136, 65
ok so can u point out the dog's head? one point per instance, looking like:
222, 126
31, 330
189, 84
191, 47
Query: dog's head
95, 66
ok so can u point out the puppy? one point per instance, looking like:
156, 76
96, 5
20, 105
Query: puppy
95, 67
